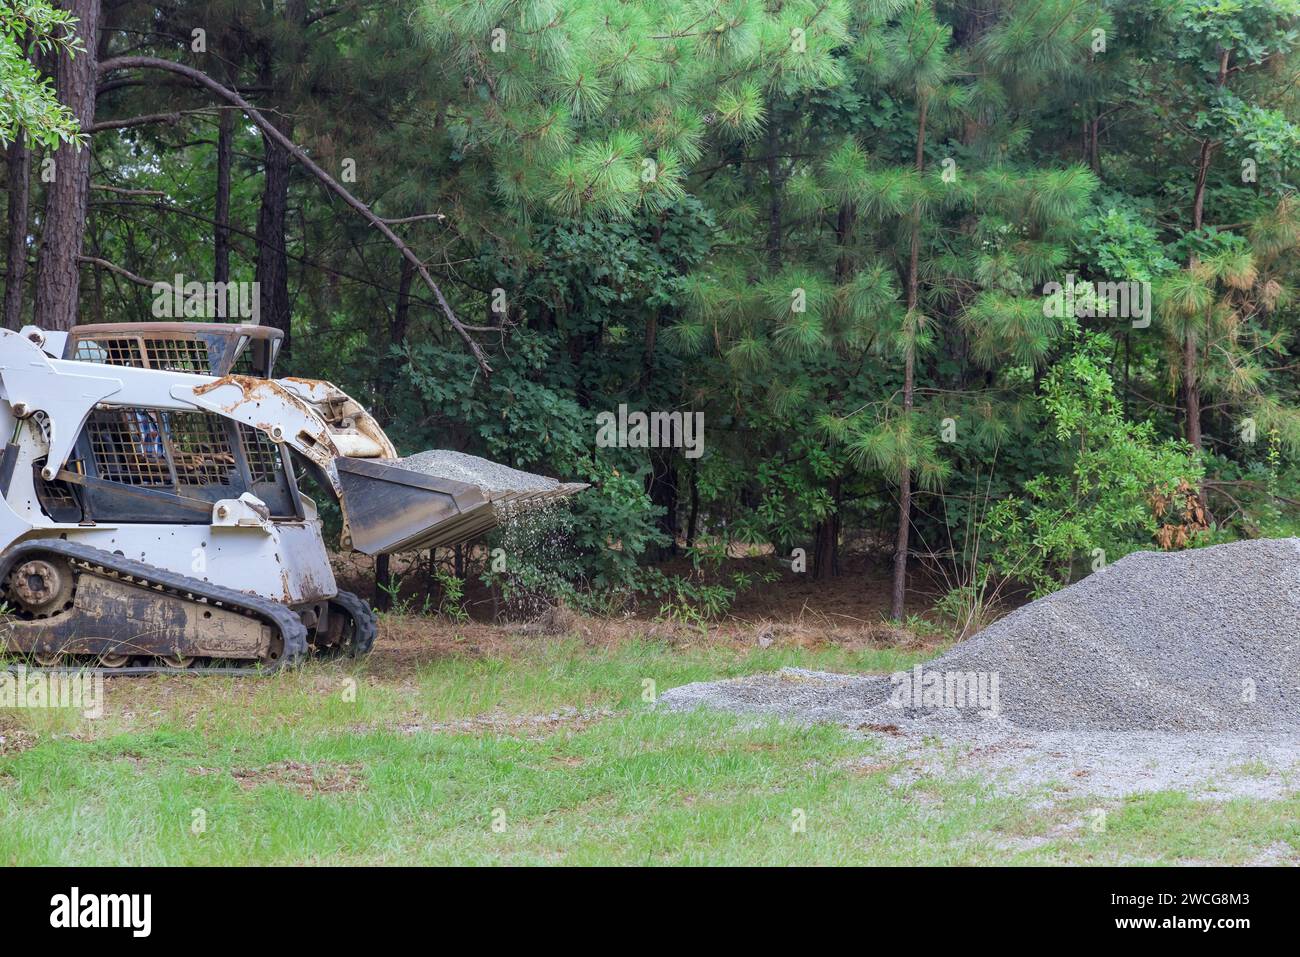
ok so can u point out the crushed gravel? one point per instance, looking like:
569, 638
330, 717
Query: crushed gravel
1201, 640
473, 470
1164, 670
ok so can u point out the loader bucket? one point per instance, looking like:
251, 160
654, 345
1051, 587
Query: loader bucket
392, 509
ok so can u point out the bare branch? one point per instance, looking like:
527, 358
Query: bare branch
269, 130
415, 219
121, 191
171, 119
113, 267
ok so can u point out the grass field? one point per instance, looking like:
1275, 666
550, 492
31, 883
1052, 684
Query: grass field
532, 751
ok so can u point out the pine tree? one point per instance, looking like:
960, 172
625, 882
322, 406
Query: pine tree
1216, 94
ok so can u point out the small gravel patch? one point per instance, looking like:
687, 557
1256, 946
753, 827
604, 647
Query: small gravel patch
1061, 765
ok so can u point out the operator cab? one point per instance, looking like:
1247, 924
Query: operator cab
157, 466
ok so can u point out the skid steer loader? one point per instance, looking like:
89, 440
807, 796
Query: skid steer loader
150, 513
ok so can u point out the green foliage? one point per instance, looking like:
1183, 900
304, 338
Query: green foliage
1100, 508
451, 592
1119, 242
28, 102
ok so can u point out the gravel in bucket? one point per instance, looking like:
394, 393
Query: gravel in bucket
473, 470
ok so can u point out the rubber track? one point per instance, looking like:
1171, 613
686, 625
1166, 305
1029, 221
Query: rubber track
273, 613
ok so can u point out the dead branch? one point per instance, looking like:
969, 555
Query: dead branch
415, 219
122, 191
202, 79
114, 267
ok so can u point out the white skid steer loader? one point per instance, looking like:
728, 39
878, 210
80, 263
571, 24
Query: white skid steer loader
150, 516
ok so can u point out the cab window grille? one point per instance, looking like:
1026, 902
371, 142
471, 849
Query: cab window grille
56, 498
246, 362
112, 352
172, 354
262, 454
201, 449
166, 449
127, 446
178, 355
54, 494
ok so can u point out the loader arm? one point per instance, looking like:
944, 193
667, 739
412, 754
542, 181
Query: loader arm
314, 418
385, 508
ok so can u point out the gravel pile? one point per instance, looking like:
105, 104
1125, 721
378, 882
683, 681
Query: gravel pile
473, 470
1201, 640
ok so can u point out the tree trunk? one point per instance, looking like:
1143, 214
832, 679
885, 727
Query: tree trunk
1094, 158
1191, 392
692, 523
383, 582
826, 533
20, 162
663, 493
1091, 149
221, 232
272, 270
843, 228
826, 539
1191, 386
402, 311
774, 234
433, 592
898, 601
388, 370
902, 541
62, 232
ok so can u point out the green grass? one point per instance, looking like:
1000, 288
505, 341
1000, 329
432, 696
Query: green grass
288, 770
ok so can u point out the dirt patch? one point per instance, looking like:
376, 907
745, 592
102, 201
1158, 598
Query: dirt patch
1277, 854
13, 738
1055, 766
408, 642
532, 726
307, 779
856, 601
890, 729
555, 620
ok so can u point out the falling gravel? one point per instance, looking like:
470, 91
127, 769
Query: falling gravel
534, 538
473, 470
1206, 640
